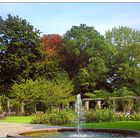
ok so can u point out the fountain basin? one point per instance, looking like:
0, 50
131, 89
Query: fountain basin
72, 133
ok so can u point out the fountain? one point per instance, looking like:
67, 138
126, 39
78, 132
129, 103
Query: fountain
79, 132
79, 111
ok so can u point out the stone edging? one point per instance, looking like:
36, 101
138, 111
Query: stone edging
128, 133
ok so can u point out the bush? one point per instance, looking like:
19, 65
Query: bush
3, 104
130, 117
99, 115
54, 118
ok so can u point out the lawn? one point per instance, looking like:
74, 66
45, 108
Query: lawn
18, 119
132, 125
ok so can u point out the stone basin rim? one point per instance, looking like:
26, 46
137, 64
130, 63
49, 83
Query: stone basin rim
130, 133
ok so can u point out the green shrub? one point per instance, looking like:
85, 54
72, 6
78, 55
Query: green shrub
135, 117
3, 102
99, 115
130, 117
55, 118
40, 119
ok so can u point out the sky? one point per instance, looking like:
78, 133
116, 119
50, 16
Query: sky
57, 18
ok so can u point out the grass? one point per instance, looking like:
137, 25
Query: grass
18, 119
131, 125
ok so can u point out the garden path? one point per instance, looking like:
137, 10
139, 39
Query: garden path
6, 128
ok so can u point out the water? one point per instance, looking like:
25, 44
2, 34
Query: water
79, 111
72, 134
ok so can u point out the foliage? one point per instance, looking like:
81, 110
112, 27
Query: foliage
59, 92
54, 93
15, 106
126, 117
124, 91
3, 103
86, 55
103, 115
87, 78
122, 36
81, 43
21, 48
124, 61
54, 117
99, 115
98, 66
26, 90
129, 76
52, 45
125, 104
47, 69
99, 94
136, 105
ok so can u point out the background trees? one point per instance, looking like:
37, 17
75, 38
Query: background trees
80, 43
81, 61
86, 54
122, 36
124, 63
20, 46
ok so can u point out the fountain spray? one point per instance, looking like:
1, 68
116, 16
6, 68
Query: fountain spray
79, 113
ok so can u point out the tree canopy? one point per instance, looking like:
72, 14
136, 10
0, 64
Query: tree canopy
53, 93
19, 48
122, 36
54, 68
81, 43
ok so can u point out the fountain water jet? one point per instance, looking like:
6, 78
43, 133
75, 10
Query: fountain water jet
79, 111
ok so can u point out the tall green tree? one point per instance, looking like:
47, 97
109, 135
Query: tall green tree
81, 43
86, 58
122, 36
125, 59
19, 48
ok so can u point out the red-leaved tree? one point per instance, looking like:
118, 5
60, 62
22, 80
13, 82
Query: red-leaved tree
52, 45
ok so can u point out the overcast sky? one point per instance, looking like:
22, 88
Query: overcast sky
59, 17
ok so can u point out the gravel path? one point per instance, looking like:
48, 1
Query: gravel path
6, 128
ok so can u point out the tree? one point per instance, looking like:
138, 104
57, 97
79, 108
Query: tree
52, 45
125, 59
53, 93
92, 76
122, 36
81, 43
47, 69
59, 92
19, 48
86, 58
129, 76
123, 67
